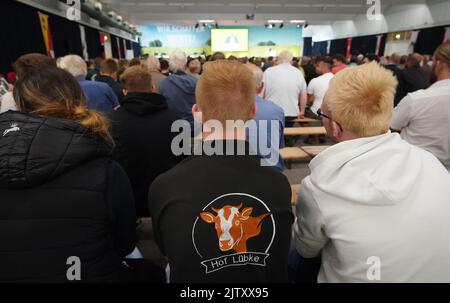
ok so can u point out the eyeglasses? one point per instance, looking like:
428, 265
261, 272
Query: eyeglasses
320, 114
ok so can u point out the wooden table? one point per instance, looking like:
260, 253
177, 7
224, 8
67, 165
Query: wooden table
304, 131
306, 120
314, 150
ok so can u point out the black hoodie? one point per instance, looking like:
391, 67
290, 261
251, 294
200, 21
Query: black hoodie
141, 129
60, 197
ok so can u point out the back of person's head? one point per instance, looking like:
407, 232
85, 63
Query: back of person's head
124, 63
194, 66
152, 63
394, 58
442, 54
30, 62
164, 64
339, 58
361, 99
257, 74
109, 67
53, 92
372, 58
414, 60
91, 63
325, 61
98, 61
218, 56
285, 57
135, 62
137, 79
178, 61
226, 91
74, 64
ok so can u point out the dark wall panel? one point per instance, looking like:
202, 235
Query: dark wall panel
21, 33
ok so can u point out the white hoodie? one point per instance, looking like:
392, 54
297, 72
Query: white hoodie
376, 199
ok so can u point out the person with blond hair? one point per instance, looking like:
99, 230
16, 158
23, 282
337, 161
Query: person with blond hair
285, 85
100, 96
374, 207
153, 65
61, 195
236, 229
423, 117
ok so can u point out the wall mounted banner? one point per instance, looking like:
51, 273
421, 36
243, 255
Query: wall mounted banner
250, 41
47, 34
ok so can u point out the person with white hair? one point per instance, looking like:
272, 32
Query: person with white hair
267, 112
286, 87
100, 96
179, 87
154, 67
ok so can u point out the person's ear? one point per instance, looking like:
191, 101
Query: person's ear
336, 130
125, 92
153, 88
254, 112
197, 114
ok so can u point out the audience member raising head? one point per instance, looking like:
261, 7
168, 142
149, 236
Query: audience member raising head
351, 192
99, 95
194, 67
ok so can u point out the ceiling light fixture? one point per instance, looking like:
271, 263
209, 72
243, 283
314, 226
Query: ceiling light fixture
275, 21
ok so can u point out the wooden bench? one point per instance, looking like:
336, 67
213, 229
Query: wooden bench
313, 151
290, 154
306, 120
304, 131
295, 193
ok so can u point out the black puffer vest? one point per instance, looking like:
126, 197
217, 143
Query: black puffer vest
53, 177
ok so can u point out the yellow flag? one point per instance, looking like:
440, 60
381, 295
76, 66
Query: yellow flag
46, 33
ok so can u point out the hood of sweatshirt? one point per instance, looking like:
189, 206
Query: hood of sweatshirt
184, 82
144, 103
377, 171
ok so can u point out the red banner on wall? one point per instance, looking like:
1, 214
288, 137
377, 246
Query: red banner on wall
348, 53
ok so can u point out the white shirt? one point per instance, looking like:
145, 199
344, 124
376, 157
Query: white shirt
318, 87
284, 83
7, 102
424, 119
376, 201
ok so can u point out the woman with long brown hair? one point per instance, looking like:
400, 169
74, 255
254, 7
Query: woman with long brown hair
65, 203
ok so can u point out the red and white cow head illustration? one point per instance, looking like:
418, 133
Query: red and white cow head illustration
234, 227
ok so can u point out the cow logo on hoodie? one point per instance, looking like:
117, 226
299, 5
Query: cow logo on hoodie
234, 230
